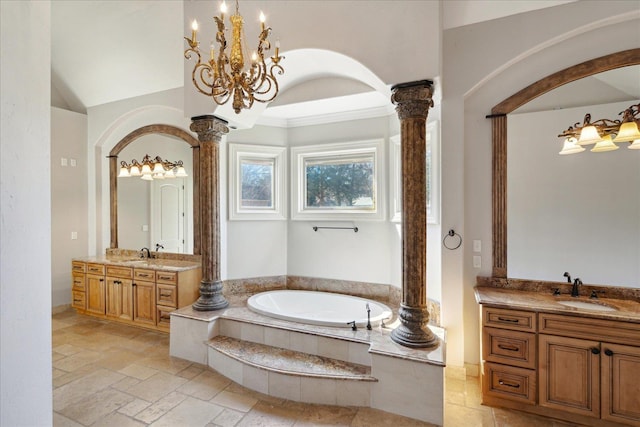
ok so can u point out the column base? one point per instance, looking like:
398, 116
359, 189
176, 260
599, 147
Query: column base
413, 330
211, 297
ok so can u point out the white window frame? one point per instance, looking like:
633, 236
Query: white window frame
299, 155
433, 140
240, 152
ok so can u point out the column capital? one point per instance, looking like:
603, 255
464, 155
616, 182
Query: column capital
209, 128
413, 99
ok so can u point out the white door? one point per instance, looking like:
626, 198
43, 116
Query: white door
168, 215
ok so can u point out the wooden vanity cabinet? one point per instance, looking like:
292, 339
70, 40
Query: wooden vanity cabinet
95, 289
78, 286
590, 367
579, 369
143, 297
509, 354
119, 293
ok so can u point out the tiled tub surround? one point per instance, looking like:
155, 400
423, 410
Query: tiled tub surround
387, 294
392, 378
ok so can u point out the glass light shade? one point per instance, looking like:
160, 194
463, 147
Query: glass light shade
589, 135
147, 177
635, 145
181, 173
146, 169
158, 168
628, 132
124, 172
135, 171
570, 146
605, 145
169, 174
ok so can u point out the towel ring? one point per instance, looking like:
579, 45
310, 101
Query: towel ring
452, 233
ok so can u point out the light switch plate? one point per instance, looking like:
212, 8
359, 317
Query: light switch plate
73, 163
477, 246
477, 261
63, 161
74, 235
145, 228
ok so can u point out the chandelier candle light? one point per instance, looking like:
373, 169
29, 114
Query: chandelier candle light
227, 76
151, 169
601, 132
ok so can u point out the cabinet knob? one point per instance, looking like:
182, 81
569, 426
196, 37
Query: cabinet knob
595, 350
608, 352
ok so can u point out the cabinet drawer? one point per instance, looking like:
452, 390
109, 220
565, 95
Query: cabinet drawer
97, 269
124, 272
169, 277
167, 295
78, 267
515, 320
509, 347
146, 275
77, 283
164, 316
509, 382
79, 300
593, 329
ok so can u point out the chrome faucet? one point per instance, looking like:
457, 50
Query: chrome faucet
368, 317
574, 288
142, 253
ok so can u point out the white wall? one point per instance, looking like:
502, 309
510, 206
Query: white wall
578, 213
25, 214
107, 125
68, 199
483, 66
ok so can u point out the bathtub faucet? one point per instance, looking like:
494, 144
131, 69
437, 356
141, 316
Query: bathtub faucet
353, 325
368, 317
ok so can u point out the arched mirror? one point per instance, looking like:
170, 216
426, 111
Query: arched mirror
156, 213
578, 213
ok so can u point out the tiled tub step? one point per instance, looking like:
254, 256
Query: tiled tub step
288, 361
290, 374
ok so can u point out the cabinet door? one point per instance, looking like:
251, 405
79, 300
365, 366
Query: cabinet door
144, 302
569, 375
126, 299
119, 298
95, 298
112, 298
621, 384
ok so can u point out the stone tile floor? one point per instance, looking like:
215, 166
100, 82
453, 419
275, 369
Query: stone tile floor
108, 374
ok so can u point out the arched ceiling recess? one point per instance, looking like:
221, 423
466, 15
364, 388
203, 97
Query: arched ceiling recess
305, 66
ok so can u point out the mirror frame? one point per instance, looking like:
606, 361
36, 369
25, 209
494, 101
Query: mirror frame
114, 167
499, 138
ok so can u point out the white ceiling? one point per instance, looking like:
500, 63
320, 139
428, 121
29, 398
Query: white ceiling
108, 50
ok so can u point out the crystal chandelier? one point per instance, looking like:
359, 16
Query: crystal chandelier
151, 169
601, 133
227, 76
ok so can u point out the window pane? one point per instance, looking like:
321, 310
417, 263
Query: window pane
340, 182
257, 183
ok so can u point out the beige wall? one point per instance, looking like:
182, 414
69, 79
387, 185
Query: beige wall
25, 214
68, 199
484, 64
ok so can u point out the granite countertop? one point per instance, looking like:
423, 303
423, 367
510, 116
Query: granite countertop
625, 309
147, 263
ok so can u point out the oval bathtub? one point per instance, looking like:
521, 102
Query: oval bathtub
318, 308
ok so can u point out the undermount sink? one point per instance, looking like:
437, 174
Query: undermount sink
586, 305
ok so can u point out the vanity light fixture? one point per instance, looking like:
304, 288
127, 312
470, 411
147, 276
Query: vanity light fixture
601, 132
228, 77
151, 169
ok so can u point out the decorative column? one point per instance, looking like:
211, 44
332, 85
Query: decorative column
210, 130
413, 101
